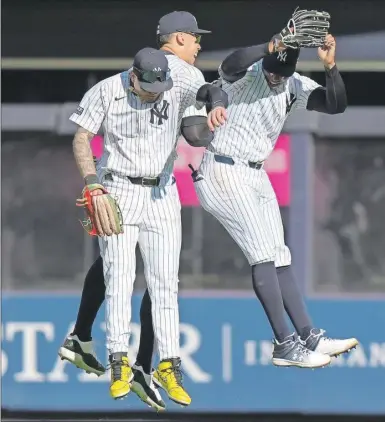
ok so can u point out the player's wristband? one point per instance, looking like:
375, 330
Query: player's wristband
91, 179
212, 96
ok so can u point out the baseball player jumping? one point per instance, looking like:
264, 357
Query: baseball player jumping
179, 37
141, 113
263, 90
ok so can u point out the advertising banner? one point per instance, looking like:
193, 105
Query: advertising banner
225, 350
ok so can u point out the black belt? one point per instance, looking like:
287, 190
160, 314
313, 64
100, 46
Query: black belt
144, 181
228, 160
147, 181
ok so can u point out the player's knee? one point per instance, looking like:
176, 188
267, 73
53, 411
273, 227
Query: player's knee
282, 256
259, 256
164, 289
256, 261
118, 293
165, 299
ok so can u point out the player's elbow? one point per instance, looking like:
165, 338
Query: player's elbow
196, 132
341, 108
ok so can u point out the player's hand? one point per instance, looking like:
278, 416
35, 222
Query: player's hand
96, 192
216, 118
276, 45
327, 53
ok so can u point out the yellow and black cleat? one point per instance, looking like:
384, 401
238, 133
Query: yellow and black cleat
121, 375
168, 376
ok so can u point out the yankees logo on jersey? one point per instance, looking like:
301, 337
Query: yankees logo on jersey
148, 132
158, 115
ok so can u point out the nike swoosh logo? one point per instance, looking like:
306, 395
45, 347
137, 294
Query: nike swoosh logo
119, 98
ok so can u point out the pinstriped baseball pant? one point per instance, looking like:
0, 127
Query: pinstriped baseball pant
152, 218
244, 202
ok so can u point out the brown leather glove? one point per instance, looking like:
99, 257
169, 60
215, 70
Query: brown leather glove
103, 215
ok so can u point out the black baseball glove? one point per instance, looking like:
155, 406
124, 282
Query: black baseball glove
306, 28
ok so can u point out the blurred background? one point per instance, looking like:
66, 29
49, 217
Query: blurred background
328, 173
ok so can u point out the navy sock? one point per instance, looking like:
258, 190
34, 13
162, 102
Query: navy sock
93, 295
293, 301
146, 344
266, 287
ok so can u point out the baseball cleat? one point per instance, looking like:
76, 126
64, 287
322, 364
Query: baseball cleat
292, 352
318, 342
81, 354
168, 376
143, 386
121, 375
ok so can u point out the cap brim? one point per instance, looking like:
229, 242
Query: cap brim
157, 87
272, 66
286, 71
201, 31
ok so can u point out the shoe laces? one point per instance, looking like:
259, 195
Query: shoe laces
176, 371
320, 335
301, 347
116, 367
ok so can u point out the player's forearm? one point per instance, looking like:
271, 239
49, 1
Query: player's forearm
83, 153
212, 96
240, 60
332, 99
336, 97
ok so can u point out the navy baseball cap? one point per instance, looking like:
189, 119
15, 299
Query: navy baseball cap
179, 22
282, 63
151, 68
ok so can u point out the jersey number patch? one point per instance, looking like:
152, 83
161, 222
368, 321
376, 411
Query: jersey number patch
157, 116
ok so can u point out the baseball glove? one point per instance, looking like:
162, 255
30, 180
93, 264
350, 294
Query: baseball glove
103, 215
306, 28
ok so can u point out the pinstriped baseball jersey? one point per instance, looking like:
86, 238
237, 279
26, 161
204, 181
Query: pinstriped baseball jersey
139, 138
257, 113
239, 196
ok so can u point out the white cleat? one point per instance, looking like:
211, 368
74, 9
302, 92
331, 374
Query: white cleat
318, 342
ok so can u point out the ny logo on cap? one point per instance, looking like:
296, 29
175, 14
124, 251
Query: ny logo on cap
157, 69
282, 56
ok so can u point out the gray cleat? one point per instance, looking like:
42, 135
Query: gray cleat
292, 352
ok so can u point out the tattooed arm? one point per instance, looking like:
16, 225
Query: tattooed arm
89, 117
83, 154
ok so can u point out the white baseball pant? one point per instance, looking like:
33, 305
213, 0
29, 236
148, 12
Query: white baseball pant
152, 218
244, 202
